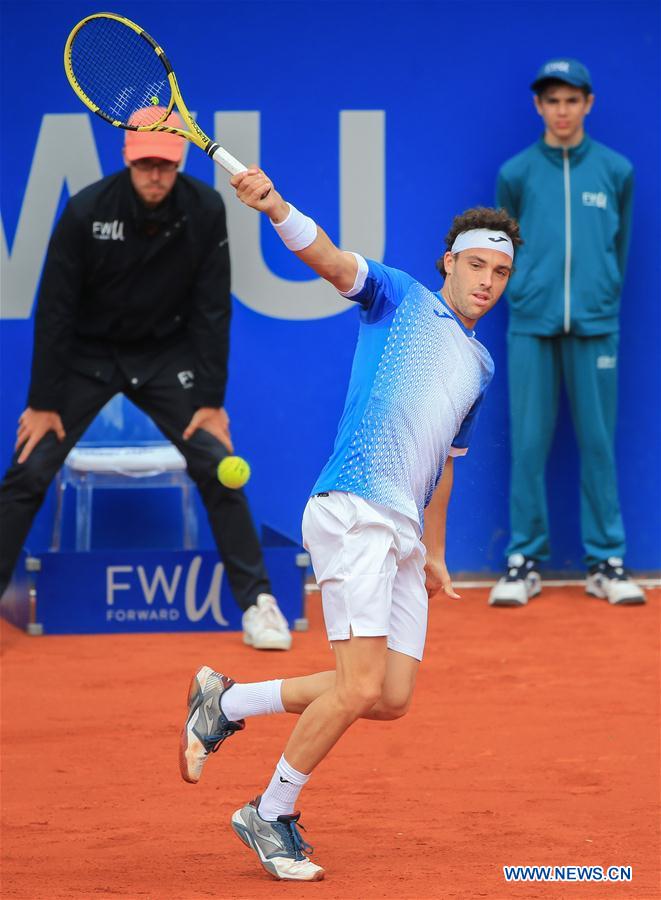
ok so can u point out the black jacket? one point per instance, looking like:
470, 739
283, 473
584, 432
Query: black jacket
128, 287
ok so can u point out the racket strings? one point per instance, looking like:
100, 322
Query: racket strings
119, 71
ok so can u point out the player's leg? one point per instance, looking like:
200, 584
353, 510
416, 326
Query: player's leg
355, 550
395, 698
268, 824
166, 399
217, 713
359, 678
398, 688
534, 383
401, 610
294, 695
408, 621
24, 485
408, 625
406, 638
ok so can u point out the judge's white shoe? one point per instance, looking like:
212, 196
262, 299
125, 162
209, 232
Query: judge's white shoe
264, 626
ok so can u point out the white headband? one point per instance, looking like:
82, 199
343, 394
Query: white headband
483, 239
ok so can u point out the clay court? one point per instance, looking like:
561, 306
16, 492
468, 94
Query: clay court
533, 739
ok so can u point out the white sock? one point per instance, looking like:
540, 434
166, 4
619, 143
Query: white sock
261, 698
281, 795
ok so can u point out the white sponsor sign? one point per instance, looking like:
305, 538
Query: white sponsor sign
159, 586
66, 157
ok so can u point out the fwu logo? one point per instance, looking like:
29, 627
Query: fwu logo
156, 595
595, 198
66, 157
108, 231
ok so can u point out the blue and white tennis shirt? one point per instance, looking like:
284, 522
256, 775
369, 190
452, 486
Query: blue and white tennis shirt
417, 382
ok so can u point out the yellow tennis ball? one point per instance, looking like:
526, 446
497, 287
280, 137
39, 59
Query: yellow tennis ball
233, 472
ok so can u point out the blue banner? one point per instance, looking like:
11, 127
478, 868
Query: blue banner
140, 591
382, 121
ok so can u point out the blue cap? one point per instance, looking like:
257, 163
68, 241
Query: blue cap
570, 71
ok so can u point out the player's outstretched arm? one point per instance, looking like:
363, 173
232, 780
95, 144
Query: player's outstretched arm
309, 242
436, 571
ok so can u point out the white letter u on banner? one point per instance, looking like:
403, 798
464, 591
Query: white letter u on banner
196, 611
362, 215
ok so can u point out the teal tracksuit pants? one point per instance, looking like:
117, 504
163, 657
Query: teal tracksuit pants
588, 367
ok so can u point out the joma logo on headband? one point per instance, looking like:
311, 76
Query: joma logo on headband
476, 238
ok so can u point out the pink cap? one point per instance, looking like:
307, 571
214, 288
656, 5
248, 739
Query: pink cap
157, 144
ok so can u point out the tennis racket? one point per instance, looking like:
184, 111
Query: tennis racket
116, 69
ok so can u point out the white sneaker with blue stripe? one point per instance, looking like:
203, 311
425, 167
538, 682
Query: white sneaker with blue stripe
206, 726
279, 845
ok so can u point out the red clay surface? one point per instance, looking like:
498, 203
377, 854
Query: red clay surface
533, 739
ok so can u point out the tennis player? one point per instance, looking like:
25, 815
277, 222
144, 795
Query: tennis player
418, 380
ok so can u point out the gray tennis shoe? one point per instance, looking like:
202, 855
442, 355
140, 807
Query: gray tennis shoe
278, 845
206, 726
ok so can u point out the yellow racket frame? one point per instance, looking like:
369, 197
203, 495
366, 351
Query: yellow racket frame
195, 135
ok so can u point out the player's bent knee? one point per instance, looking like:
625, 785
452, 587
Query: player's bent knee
359, 699
397, 711
394, 707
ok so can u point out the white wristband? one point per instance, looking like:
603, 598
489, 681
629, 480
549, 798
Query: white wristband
296, 231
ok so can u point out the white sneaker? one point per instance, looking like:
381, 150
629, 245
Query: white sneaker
206, 726
279, 845
610, 581
522, 582
264, 626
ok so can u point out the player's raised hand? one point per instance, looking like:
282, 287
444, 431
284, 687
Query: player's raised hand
33, 424
255, 189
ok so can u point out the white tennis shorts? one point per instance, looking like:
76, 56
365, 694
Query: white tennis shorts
370, 565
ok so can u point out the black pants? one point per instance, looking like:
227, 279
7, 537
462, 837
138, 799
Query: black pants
168, 403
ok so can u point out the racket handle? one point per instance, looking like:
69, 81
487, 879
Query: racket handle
220, 156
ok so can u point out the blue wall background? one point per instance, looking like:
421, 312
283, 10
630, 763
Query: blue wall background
452, 78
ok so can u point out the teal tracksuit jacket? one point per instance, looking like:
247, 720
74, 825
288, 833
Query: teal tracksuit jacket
574, 208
